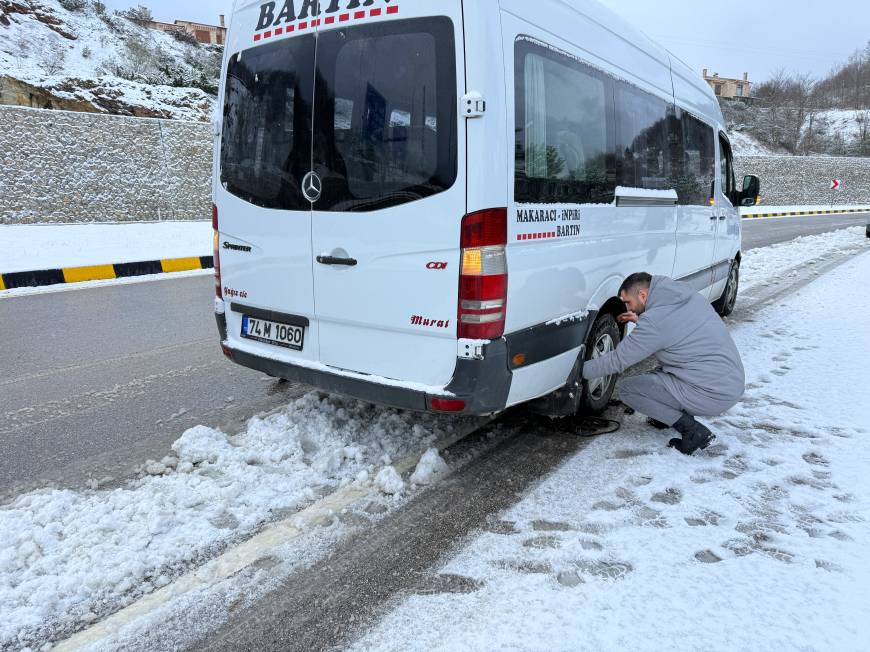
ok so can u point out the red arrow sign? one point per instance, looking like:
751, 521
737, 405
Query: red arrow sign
835, 184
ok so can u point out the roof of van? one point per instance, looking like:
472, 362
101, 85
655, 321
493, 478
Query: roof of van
688, 87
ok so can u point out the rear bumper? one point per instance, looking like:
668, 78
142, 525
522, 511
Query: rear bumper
483, 385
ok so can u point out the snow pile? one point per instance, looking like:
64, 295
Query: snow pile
69, 558
765, 265
430, 468
760, 542
389, 481
105, 62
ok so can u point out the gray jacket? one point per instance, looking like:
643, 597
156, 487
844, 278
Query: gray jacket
690, 341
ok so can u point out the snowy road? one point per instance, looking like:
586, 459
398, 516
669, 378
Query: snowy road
392, 563
75, 557
76, 364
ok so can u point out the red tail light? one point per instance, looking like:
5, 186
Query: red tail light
215, 252
483, 280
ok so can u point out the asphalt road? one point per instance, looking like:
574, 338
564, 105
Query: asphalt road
95, 382
764, 232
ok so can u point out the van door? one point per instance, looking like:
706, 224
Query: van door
696, 217
728, 219
389, 162
264, 217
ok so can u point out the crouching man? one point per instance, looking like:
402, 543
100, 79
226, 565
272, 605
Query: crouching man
700, 372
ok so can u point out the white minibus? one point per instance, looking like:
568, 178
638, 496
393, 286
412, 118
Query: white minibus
432, 205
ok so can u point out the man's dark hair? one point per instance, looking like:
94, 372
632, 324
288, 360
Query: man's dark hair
635, 281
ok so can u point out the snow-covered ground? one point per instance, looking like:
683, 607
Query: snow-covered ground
745, 145
847, 123
761, 542
761, 210
69, 558
77, 55
54, 246
766, 266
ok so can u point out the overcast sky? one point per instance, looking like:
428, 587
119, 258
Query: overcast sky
754, 36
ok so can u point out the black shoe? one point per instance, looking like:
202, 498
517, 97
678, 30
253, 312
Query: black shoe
658, 425
695, 436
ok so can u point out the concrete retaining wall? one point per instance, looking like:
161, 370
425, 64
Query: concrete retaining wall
60, 166
806, 180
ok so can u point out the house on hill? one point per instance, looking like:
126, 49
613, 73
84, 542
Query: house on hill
202, 32
729, 89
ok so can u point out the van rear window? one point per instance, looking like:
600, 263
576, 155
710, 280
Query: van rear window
266, 144
375, 117
385, 113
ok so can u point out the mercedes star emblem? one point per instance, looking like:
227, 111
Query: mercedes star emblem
312, 187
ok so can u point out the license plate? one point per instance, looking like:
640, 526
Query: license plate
272, 332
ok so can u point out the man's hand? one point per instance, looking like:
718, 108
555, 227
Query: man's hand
626, 317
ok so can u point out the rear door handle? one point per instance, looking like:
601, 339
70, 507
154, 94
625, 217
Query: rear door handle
332, 260
722, 217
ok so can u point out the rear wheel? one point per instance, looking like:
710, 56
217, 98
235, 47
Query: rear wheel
724, 305
603, 339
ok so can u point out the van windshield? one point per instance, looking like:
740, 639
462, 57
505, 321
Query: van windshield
384, 117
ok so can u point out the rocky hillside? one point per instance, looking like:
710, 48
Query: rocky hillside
75, 55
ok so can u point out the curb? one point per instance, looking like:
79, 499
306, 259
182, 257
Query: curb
797, 213
102, 272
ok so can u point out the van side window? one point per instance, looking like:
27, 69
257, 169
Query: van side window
694, 180
562, 123
726, 172
642, 158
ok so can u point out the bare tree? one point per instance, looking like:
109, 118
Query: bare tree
862, 144
53, 58
801, 98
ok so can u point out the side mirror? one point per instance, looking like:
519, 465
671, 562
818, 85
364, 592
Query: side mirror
751, 190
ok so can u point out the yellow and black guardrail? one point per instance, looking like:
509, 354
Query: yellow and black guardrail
842, 211
102, 272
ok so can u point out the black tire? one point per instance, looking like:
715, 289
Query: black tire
724, 305
595, 400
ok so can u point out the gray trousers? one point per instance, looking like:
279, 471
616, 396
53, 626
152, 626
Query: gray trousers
650, 394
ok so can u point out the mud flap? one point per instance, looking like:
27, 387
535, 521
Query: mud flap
564, 402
